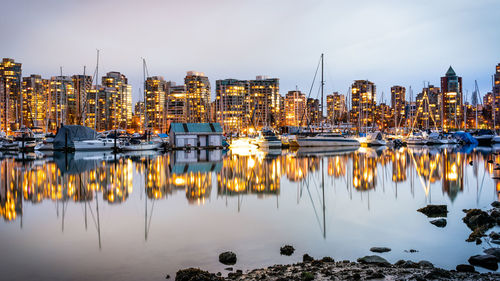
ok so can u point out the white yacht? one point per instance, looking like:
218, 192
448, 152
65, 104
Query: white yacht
24, 139
268, 139
484, 136
97, 144
375, 139
138, 145
419, 138
326, 140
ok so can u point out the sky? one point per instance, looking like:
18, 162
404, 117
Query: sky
401, 42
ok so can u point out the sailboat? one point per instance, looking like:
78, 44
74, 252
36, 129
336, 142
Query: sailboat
142, 143
325, 139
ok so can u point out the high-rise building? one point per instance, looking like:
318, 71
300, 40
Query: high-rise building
336, 108
264, 102
383, 116
106, 112
398, 102
313, 112
121, 100
35, 91
295, 109
364, 100
428, 102
156, 90
138, 117
232, 108
82, 84
175, 103
451, 87
10, 95
61, 94
197, 97
496, 96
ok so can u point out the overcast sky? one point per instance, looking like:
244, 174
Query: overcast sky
388, 42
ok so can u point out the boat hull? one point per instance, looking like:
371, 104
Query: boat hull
141, 147
269, 144
326, 142
87, 146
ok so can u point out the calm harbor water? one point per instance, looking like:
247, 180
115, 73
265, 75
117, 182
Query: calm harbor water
143, 216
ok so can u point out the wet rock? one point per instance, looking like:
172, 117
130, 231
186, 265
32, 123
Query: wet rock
476, 234
479, 241
195, 274
407, 264
493, 251
168, 276
411, 251
495, 214
375, 275
465, 268
477, 218
287, 250
425, 264
471, 163
227, 258
439, 222
495, 241
307, 258
327, 259
228, 268
486, 261
380, 249
494, 235
495, 204
437, 273
377, 260
434, 211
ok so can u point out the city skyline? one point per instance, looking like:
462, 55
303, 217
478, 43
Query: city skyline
426, 36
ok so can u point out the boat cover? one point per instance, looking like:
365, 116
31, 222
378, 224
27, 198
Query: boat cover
465, 137
74, 133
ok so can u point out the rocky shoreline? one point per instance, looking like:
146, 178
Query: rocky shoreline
328, 269
375, 267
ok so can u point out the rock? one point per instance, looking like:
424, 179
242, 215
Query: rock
486, 261
307, 258
434, 211
377, 260
437, 273
228, 268
465, 268
495, 241
425, 264
439, 222
493, 235
476, 234
495, 214
327, 259
287, 250
168, 276
495, 204
380, 249
227, 258
195, 274
493, 251
479, 219
375, 275
479, 241
471, 163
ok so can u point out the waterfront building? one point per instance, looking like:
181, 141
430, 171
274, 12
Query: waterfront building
336, 108
195, 135
10, 95
232, 110
295, 109
364, 96
175, 103
82, 84
35, 91
451, 100
197, 97
105, 100
428, 115
313, 113
156, 89
121, 101
138, 117
398, 102
383, 116
264, 102
61, 94
496, 96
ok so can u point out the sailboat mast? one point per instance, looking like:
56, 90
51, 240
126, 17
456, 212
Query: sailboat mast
322, 86
476, 95
144, 93
96, 101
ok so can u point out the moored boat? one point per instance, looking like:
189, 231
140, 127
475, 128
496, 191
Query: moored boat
484, 136
268, 139
96, 144
326, 140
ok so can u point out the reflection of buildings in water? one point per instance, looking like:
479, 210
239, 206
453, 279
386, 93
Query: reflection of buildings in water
296, 168
399, 164
192, 171
249, 175
11, 202
453, 172
364, 171
337, 165
427, 164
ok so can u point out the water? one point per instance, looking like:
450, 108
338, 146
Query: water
141, 217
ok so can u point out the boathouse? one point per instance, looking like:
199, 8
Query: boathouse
195, 135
